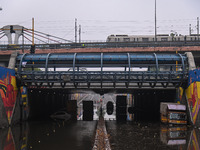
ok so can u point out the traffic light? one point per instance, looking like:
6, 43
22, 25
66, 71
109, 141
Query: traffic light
32, 50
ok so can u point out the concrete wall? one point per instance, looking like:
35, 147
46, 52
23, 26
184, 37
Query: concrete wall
193, 96
8, 94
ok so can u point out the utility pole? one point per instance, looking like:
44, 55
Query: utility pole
33, 31
23, 40
32, 50
155, 23
79, 33
198, 27
190, 29
75, 30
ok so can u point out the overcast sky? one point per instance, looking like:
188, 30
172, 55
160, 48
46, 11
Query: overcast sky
100, 18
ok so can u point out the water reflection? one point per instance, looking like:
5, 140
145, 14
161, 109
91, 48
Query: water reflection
152, 136
173, 135
180, 135
48, 135
80, 135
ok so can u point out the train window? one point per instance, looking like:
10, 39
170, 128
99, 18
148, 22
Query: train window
126, 39
118, 39
115, 39
164, 39
191, 38
195, 38
145, 39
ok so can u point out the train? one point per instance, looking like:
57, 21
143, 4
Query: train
151, 38
119, 41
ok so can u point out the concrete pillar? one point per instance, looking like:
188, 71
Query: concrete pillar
12, 60
191, 61
13, 29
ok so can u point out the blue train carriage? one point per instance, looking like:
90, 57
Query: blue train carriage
173, 113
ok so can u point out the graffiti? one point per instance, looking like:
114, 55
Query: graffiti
8, 90
193, 93
9, 143
24, 102
193, 99
180, 93
194, 143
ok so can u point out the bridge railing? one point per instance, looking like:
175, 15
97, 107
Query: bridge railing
102, 45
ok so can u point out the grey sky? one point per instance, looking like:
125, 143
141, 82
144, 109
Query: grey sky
99, 18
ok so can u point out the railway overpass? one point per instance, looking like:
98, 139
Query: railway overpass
159, 71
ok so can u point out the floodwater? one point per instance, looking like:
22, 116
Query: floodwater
79, 135
49, 135
152, 136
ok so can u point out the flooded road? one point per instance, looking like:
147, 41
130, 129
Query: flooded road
80, 135
150, 136
48, 135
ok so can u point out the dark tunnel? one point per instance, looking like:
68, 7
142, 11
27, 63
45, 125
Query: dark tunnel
45, 102
147, 103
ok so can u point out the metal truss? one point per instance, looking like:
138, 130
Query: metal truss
103, 70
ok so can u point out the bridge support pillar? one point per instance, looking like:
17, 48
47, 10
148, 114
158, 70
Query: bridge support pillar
12, 60
190, 96
191, 61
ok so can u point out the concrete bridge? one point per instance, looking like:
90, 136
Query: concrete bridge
5, 54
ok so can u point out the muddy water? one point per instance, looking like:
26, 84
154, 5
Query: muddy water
150, 136
48, 135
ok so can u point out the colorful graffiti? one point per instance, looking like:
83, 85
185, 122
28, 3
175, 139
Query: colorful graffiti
193, 93
9, 143
24, 102
194, 143
8, 90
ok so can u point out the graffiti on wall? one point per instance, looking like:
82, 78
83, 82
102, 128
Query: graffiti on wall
8, 90
24, 102
193, 93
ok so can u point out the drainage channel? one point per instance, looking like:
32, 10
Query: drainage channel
101, 137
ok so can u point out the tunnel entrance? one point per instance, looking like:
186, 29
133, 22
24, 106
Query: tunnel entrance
147, 103
45, 102
139, 105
